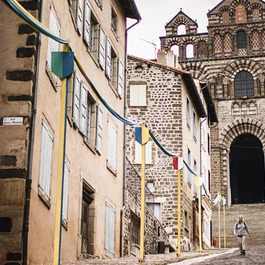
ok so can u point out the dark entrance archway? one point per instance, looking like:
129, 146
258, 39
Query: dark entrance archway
247, 170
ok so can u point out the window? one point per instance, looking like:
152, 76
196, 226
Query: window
65, 190
255, 14
79, 16
194, 126
225, 17
110, 229
209, 181
175, 49
120, 77
244, 84
83, 108
45, 160
114, 18
209, 144
53, 46
189, 163
137, 95
100, 3
135, 228
148, 153
150, 186
181, 30
217, 44
91, 30
195, 169
112, 142
188, 112
189, 51
155, 207
241, 39
102, 47
99, 129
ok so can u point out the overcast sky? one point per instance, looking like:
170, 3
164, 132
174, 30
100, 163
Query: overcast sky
155, 15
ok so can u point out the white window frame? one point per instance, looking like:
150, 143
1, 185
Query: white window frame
53, 46
194, 125
102, 48
46, 160
112, 146
80, 16
110, 216
137, 95
120, 81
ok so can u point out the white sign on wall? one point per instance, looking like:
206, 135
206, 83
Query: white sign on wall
13, 121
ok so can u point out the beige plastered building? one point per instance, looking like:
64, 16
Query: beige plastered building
30, 105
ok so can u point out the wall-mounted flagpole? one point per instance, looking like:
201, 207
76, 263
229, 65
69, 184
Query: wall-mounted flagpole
178, 165
219, 224
142, 137
62, 66
200, 215
224, 202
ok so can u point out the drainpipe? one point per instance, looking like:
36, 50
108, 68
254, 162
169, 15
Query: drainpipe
124, 135
31, 145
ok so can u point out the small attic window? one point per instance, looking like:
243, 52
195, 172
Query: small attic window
181, 29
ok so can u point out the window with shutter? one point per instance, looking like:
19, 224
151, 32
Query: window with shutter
87, 24
110, 229
188, 112
83, 110
138, 153
76, 99
120, 82
194, 126
108, 58
65, 190
137, 95
79, 16
102, 45
112, 142
99, 129
114, 20
53, 46
189, 163
195, 169
45, 160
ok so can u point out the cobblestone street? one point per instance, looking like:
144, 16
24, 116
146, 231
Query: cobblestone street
159, 259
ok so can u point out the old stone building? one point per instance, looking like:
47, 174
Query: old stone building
230, 58
169, 101
30, 104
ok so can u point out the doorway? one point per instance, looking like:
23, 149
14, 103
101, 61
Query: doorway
247, 170
87, 220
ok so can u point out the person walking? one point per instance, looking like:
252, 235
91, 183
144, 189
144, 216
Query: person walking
240, 231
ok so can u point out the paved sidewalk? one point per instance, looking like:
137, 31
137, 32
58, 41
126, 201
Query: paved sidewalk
157, 259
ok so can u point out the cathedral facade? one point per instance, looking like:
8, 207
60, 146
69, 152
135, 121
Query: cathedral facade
230, 58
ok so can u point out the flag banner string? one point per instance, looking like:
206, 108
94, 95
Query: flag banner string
38, 26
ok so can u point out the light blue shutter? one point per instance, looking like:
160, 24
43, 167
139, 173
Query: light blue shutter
108, 58
112, 142
120, 78
79, 16
99, 129
101, 50
87, 26
65, 189
46, 160
83, 110
110, 229
76, 100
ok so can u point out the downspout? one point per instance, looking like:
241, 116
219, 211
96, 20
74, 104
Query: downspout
31, 145
124, 136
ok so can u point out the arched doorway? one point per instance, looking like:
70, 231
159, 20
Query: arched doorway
247, 170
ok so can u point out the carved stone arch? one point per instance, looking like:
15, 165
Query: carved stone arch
224, 9
239, 127
235, 3
234, 67
182, 20
255, 6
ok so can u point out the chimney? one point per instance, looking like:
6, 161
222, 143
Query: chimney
167, 58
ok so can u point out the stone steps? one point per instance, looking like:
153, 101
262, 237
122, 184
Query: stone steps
254, 215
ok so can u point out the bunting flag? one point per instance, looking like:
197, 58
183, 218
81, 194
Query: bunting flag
141, 135
62, 63
198, 181
223, 201
178, 163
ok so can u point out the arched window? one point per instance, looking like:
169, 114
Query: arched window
244, 84
181, 30
175, 49
241, 39
202, 49
241, 15
255, 14
255, 41
189, 51
217, 44
227, 43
